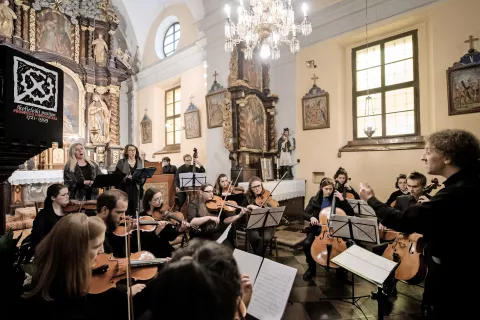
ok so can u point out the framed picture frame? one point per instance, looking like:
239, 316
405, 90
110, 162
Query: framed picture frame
266, 166
214, 103
315, 109
192, 124
463, 83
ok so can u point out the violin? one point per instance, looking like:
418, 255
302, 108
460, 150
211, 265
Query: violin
145, 224
108, 270
325, 247
177, 217
217, 203
234, 190
265, 200
408, 251
80, 206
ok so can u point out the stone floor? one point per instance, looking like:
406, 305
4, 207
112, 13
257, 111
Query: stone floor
313, 300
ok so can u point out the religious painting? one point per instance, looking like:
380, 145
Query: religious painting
315, 111
252, 124
54, 33
266, 165
464, 89
146, 125
71, 111
192, 124
214, 102
252, 72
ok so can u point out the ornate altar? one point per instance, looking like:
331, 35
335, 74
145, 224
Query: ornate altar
81, 38
249, 129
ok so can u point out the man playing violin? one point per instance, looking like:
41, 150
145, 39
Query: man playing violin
454, 155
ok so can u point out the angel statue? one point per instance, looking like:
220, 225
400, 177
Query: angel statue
99, 120
285, 149
6, 19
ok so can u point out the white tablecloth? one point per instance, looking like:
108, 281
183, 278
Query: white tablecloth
287, 189
36, 176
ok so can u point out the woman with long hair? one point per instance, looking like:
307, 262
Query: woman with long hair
64, 262
126, 167
79, 173
401, 186
198, 214
57, 198
342, 185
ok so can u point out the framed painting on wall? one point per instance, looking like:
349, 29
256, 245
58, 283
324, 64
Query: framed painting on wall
464, 88
266, 165
315, 110
214, 103
192, 124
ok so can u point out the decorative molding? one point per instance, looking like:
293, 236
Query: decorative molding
90, 88
383, 144
233, 65
33, 29
77, 44
227, 122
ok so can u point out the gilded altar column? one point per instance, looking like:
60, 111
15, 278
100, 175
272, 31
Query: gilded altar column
112, 51
272, 126
25, 26
89, 88
83, 44
114, 101
17, 35
90, 45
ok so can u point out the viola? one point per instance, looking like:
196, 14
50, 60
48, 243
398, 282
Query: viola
265, 200
325, 247
80, 206
408, 251
217, 203
108, 270
234, 190
176, 217
145, 224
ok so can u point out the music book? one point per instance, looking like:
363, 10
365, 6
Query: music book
366, 264
272, 283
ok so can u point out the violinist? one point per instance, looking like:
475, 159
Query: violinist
57, 197
321, 200
186, 167
63, 273
158, 241
401, 185
341, 179
453, 154
79, 173
253, 199
198, 214
126, 166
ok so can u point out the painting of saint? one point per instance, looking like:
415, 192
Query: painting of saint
252, 72
192, 124
465, 90
215, 109
254, 124
53, 33
70, 106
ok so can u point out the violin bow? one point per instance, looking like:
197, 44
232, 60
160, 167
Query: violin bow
229, 185
271, 192
129, 280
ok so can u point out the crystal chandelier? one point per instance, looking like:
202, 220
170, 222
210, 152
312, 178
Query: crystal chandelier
72, 8
266, 24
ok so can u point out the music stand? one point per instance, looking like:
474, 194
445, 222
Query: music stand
190, 179
354, 228
107, 181
361, 207
140, 176
262, 218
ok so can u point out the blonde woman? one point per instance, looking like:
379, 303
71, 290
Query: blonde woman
79, 174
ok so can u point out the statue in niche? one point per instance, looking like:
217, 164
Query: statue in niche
6, 19
99, 120
285, 149
125, 58
100, 51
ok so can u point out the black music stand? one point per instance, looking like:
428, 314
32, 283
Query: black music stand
107, 181
192, 179
361, 207
354, 228
140, 176
262, 218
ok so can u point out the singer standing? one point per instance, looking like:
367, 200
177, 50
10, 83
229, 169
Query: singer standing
127, 166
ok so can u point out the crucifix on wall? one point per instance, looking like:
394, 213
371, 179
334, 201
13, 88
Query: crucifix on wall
471, 40
314, 78
215, 74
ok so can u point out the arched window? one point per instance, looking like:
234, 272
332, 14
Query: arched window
170, 41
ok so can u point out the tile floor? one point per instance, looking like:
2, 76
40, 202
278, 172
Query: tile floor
309, 300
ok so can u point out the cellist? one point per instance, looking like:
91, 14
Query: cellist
321, 200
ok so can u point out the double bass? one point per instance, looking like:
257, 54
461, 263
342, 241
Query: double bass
191, 191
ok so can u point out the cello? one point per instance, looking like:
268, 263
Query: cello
325, 247
190, 191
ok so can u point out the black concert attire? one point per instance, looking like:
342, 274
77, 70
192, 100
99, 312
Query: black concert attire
255, 235
208, 230
74, 181
315, 205
42, 225
394, 196
344, 190
130, 186
182, 196
169, 169
458, 197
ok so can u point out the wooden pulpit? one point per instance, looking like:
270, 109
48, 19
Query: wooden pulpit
163, 182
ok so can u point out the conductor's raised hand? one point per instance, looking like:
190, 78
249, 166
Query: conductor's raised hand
366, 192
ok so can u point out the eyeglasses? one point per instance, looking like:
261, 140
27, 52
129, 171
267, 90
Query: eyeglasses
157, 199
255, 187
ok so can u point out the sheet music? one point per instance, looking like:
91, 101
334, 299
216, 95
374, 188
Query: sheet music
224, 234
366, 264
186, 179
365, 209
271, 290
248, 263
275, 216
